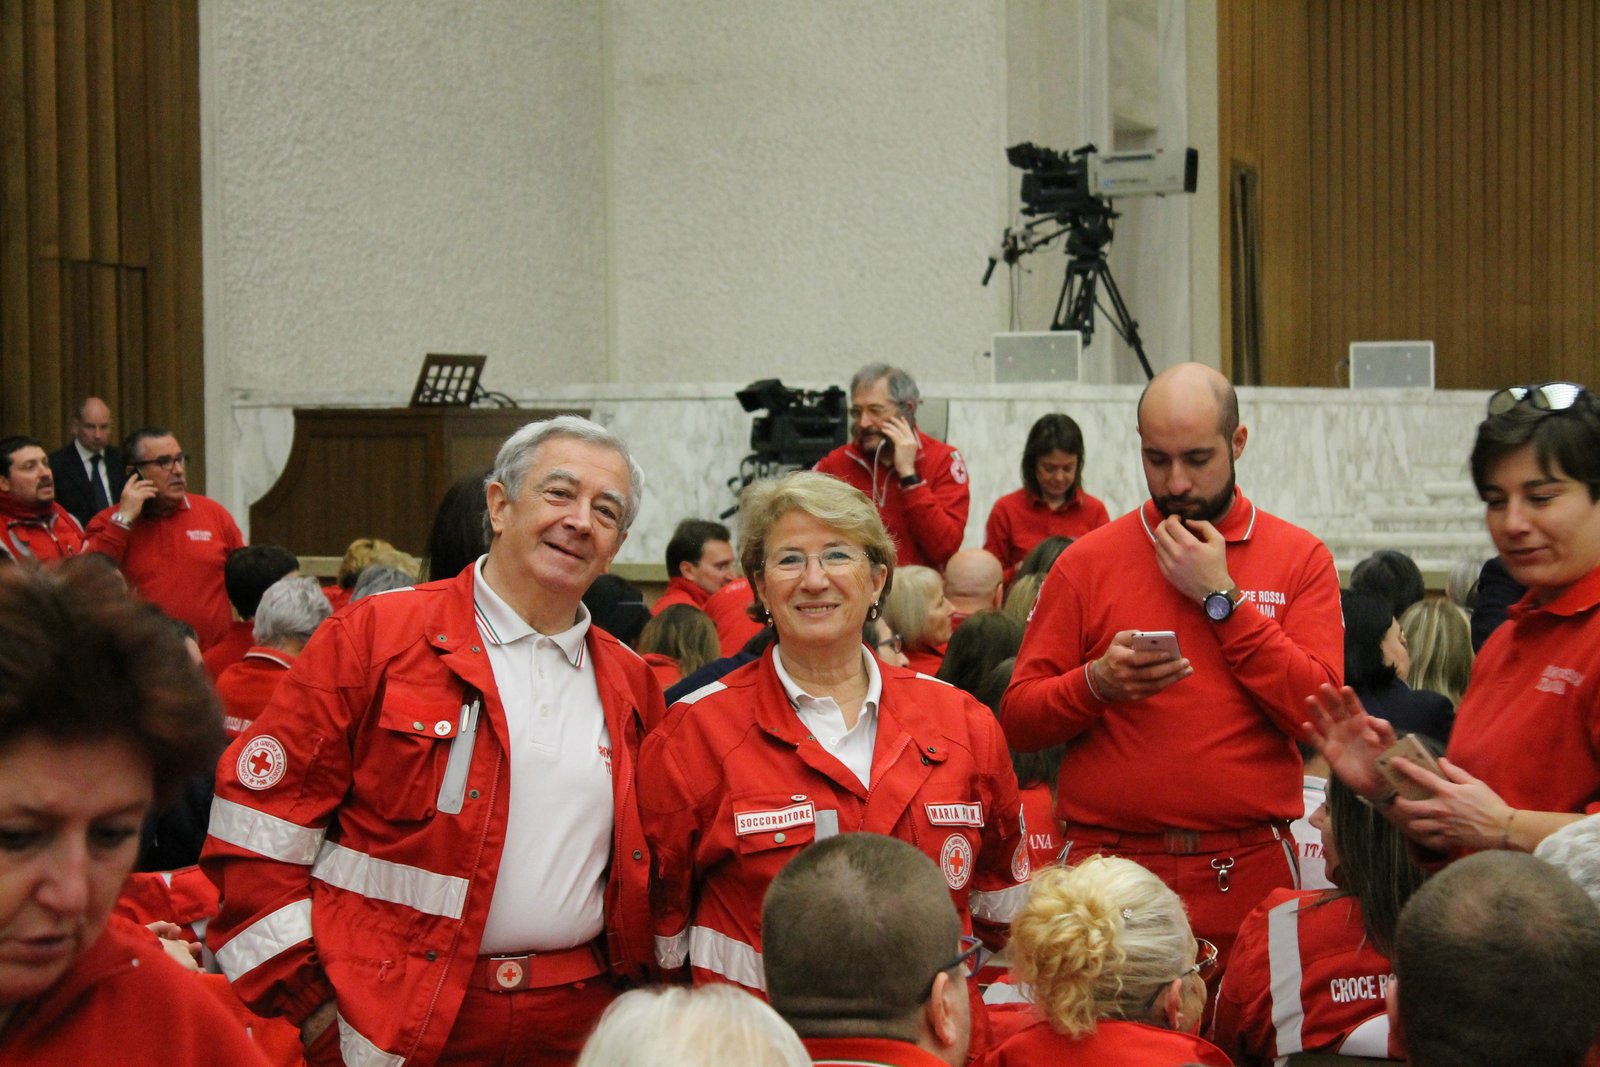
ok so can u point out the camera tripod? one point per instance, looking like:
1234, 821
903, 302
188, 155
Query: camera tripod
1088, 233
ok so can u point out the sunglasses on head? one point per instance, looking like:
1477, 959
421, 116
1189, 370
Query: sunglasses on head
1550, 396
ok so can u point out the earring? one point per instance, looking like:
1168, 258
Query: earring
873, 612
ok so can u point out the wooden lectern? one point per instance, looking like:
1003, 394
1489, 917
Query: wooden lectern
377, 472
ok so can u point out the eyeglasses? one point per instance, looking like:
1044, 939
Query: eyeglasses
1551, 396
893, 643
166, 463
968, 962
877, 411
1205, 958
832, 560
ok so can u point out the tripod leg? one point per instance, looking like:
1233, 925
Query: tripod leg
1078, 297
1121, 320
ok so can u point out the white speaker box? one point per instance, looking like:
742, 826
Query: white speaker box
1048, 356
1391, 365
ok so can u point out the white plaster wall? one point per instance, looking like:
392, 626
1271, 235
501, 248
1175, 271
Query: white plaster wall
386, 179
798, 188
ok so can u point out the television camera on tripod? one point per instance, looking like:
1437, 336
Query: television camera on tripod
1073, 193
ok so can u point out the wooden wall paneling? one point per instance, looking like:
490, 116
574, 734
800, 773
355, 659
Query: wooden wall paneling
15, 369
188, 305
43, 205
1468, 237
101, 55
160, 378
72, 127
133, 170
1420, 32
1323, 204
128, 379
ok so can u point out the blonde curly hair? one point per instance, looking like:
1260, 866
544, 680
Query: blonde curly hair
1099, 941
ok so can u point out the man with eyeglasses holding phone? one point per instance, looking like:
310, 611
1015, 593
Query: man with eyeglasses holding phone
171, 544
864, 955
918, 485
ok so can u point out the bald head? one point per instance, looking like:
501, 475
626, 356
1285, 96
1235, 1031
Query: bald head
1189, 390
973, 579
91, 424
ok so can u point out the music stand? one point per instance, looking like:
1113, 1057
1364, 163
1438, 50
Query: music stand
447, 381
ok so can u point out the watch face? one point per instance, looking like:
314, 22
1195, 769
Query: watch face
1218, 606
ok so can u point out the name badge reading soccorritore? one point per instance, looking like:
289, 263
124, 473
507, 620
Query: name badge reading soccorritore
758, 822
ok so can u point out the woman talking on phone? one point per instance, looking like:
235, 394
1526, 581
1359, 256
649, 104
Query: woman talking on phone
1524, 756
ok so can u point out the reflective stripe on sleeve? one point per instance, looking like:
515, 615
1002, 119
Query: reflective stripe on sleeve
998, 905
266, 835
727, 956
670, 951
357, 1049
397, 883
1283, 956
265, 938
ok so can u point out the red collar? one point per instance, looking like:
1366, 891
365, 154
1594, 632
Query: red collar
1578, 597
1237, 525
868, 1052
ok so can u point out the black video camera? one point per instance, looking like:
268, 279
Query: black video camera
801, 426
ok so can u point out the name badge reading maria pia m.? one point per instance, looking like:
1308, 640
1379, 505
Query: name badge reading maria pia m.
759, 822
955, 814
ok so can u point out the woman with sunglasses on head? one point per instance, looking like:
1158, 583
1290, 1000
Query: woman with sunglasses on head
1524, 755
1310, 968
815, 738
917, 609
1115, 972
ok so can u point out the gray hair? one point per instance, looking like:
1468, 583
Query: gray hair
516, 456
712, 1025
291, 607
380, 578
902, 387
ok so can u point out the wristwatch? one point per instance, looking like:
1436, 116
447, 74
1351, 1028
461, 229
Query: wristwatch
1219, 605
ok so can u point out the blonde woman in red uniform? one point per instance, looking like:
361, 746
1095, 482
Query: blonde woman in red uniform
818, 737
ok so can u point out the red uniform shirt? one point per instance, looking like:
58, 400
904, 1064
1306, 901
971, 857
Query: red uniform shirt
1529, 722
332, 844
1113, 1042
926, 521
247, 686
728, 610
175, 560
1149, 765
1303, 977
732, 786
1020, 520
680, 590
925, 660
1044, 832
33, 534
665, 668
868, 1052
231, 649
125, 1002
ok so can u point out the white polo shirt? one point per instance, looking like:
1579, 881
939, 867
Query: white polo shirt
550, 893
823, 717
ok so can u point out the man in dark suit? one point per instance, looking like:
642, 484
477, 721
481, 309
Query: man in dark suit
88, 472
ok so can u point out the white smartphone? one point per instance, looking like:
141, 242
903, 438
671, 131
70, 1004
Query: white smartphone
1157, 641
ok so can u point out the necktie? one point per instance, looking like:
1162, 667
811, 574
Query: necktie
96, 486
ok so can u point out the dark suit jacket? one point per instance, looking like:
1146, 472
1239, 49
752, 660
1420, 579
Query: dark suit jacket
72, 481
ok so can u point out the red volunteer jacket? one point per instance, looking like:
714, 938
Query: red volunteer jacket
1133, 766
175, 560
867, 1052
231, 649
337, 868
1044, 832
926, 521
1303, 977
1113, 1042
247, 687
1020, 520
45, 536
1529, 724
728, 609
124, 1002
680, 590
731, 787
